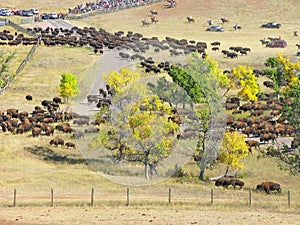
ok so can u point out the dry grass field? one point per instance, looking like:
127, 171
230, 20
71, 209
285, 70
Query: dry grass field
33, 177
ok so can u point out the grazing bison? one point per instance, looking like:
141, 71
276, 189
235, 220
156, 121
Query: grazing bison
226, 181
36, 131
57, 100
70, 145
252, 143
267, 137
268, 187
28, 97
77, 134
57, 141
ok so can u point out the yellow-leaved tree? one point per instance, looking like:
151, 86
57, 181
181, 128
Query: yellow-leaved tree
68, 86
245, 80
118, 80
233, 149
140, 131
282, 71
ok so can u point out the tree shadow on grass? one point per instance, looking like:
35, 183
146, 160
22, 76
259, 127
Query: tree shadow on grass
48, 154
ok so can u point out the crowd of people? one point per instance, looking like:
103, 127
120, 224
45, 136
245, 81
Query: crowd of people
107, 5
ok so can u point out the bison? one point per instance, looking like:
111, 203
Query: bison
57, 141
28, 97
268, 187
227, 181
252, 143
36, 131
70, 145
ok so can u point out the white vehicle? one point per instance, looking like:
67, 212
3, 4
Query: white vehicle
5, 12
53, 16
34, 11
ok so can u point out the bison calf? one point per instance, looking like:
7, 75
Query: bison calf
70, 145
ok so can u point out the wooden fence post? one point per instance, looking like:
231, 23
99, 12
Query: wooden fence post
250, 196
52, 197
15, 197
289, 198
169, 195
212, 196
127, 197
92, 197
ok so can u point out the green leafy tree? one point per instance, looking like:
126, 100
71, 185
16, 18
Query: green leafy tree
281, 71
291, 110
233, 149
203, 81
5, 74
68, 86
171, 92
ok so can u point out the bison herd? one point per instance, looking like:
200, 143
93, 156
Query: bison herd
268, 187
264, 122
47, 119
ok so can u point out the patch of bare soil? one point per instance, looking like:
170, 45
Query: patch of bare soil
129, 215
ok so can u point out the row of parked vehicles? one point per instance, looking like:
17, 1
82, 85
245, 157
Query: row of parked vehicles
24, 12
27, 13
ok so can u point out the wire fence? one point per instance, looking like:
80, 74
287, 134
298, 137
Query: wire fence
28, 56
169, 196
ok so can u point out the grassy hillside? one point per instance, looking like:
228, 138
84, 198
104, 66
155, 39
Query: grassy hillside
33, 176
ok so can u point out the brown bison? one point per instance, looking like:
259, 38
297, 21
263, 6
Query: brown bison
268, 187
253, 143
36, 131
227, 181
57, 141
70, 145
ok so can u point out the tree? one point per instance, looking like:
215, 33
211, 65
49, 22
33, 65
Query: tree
68, 86
203, 81
245, 80
5, 75
291, 110
170, 92
140, 131
281, 71
118, 80
233, 149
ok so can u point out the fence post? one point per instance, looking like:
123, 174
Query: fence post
92, 197
52, 197
289, 198
15, 197
127, 197
212, 196
250, 196
169, 195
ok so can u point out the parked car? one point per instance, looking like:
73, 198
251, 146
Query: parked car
5, 12
215, 28
45, 16
34, 11
271, 25
53, 16
16, 12
26, 13
277, 44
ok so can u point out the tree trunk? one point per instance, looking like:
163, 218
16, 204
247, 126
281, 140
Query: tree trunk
201, 175
203, 160
227, 169
147, 166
